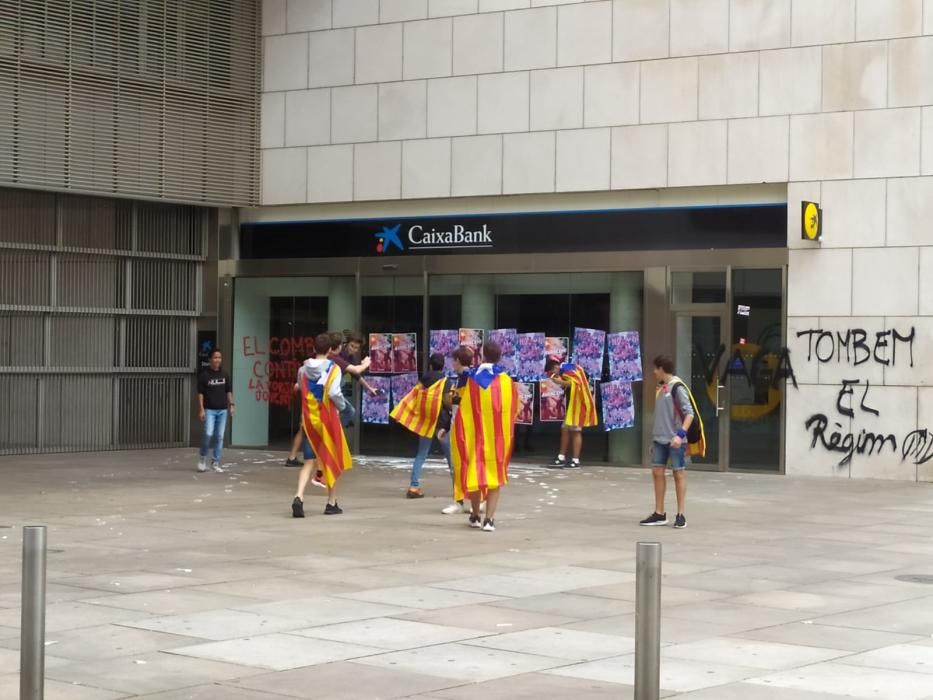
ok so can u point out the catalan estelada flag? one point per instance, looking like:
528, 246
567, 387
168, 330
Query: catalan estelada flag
482, 432
420, 408
581, 406
697, 448
320, 419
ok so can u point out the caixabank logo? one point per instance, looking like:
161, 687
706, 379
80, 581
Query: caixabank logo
388, 237
419, 237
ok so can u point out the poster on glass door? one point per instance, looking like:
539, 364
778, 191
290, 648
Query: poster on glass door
445, 342
380, 353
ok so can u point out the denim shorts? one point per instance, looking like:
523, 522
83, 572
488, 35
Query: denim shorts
660, 453
306, 450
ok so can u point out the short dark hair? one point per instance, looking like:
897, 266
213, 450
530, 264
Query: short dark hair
215, 351
336, 340
436, 361
463, 355
322, 343
665, 363
492, 351
549, 364
353, 337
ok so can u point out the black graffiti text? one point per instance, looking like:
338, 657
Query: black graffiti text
847, 443
854, 347
753, 372
918, 446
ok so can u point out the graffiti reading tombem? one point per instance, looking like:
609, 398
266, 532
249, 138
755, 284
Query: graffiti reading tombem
855, 347
827, 346
272, 378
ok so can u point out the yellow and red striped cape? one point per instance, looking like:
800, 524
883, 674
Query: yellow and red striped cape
420, 408
482, 433
694, 449
320, 419
581, 406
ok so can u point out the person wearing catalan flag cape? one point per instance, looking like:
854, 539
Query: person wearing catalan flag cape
580, 413
422, 411
678, 431
327, 450
482, 436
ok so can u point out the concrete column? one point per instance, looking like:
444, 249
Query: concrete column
478, 302
625, 314
341, 304
250, 426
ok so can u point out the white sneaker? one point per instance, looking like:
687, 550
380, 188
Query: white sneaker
202, 464
216, 467
451, 509
489, 526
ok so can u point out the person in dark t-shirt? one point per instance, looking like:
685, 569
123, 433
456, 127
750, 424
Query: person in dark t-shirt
215, 399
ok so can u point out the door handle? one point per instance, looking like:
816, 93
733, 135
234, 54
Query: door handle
719, 408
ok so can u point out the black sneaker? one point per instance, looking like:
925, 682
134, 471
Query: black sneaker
298, 508
574, 464
475, 521
332, 509
655, 519
489, 525
289, 462
557, 464
680, 522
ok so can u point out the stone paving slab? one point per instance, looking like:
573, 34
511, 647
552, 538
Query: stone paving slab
167, 584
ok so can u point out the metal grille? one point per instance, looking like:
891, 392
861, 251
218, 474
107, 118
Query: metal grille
98, 306
142, 98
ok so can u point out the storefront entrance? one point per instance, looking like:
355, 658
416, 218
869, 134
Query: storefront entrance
729, 330
716, 306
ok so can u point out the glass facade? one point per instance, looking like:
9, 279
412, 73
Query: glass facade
275, 320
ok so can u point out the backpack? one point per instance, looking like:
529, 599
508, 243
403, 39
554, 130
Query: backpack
696, 439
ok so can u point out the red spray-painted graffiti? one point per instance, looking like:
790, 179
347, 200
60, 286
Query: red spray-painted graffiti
272, 378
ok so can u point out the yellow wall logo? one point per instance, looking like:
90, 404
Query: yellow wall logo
811, 225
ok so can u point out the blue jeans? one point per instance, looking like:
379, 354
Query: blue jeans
215, 423
660, 452
424, 447
347, 415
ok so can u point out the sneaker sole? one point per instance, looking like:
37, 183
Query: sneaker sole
681, 527
657, 524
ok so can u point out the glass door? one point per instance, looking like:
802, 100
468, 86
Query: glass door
700, 361
391, 311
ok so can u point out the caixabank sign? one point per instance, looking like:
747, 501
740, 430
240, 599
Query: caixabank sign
684, 228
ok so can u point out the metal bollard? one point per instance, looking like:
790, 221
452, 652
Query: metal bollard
32, 628
647, 621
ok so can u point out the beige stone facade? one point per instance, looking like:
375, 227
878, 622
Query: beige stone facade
411, 99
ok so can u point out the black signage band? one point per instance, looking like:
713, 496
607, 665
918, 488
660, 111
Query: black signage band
682, 228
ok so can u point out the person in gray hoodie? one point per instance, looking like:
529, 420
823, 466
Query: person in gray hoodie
318, 370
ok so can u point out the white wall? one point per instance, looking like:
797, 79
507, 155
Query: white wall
389, 100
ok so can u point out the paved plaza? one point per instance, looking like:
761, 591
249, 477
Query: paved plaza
168, 585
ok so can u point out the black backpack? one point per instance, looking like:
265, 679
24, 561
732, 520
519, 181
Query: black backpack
693, 432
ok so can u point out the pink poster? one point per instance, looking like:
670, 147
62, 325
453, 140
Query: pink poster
380, 353
553, 406
526, 403
404, 352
